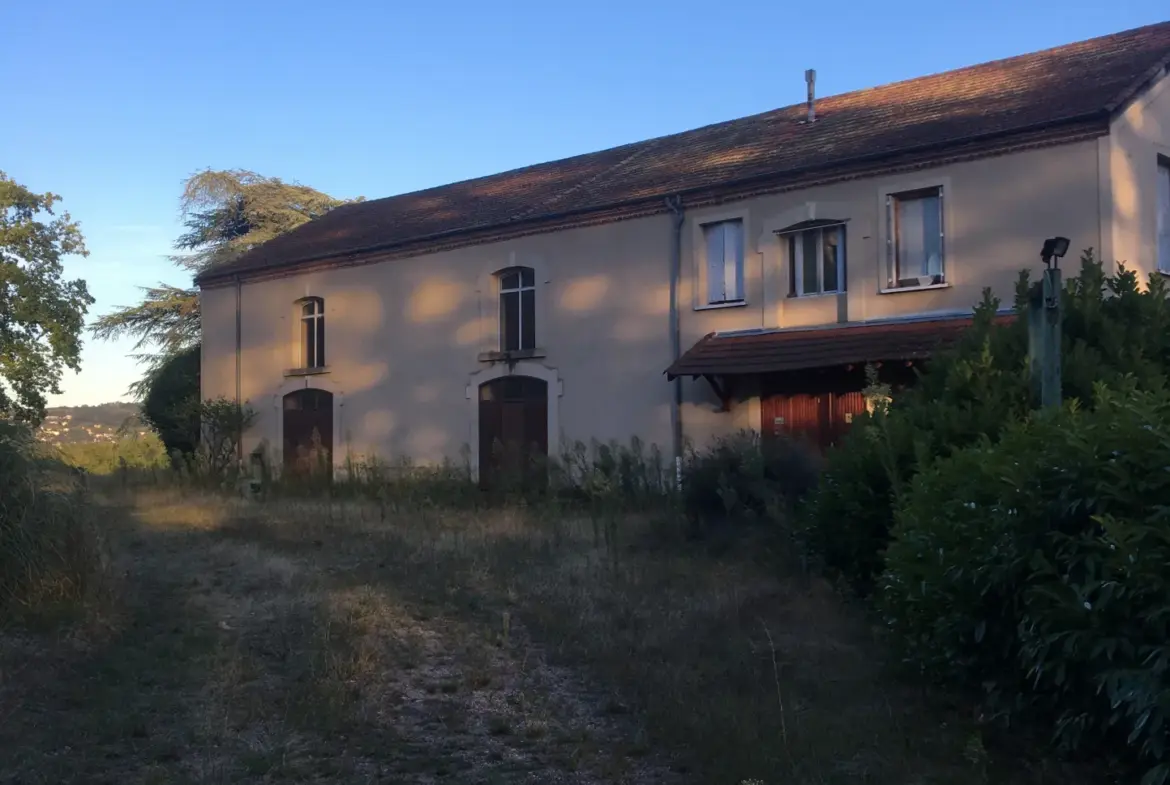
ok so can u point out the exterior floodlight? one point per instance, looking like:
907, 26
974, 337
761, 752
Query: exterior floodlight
1053, 247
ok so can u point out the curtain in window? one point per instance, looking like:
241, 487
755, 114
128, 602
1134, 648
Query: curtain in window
919, 240
834, 240
1164, 217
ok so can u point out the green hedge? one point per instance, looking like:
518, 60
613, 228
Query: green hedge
1112, 329
1037, 569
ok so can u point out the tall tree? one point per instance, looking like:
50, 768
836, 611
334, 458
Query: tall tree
225, 213
41, 313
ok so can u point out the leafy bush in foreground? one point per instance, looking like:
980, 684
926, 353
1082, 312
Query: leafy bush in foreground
1112, 329
1035, 569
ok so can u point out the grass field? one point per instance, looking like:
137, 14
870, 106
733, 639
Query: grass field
295, 641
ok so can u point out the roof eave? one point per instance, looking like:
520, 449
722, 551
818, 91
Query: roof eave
840, 169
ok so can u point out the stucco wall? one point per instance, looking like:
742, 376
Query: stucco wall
1130, 155
998, 211
403, 335
403, 338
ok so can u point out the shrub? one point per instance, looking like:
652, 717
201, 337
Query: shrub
1111, 329
131, 452
49, 552
1034, 568
742, 476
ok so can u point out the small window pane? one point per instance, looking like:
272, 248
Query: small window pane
309, 308
808, 242
527, 277
510, 280
528, 319
932, 236
320, 356
831, 251
510, 320
310, 343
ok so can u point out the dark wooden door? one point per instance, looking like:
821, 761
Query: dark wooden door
803, 417
308, 432
513, 429
848, 408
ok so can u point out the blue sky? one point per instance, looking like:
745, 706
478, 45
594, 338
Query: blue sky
112, 105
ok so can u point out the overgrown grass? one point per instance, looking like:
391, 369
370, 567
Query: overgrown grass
507, 643
52, 559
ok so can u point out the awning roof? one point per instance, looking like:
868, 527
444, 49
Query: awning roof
771, 351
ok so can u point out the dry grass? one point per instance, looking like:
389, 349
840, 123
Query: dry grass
294, 641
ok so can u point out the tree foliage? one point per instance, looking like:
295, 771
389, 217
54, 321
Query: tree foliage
225, 213
41, 313
171, 399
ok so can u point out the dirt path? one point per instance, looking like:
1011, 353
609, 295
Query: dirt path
235, 658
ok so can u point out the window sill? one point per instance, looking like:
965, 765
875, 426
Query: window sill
817, 296
307, 371
717, 306
901, 289
512, 356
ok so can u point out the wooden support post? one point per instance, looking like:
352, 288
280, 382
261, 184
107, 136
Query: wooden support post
1044, 338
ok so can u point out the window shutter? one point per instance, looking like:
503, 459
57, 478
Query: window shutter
1164, 217
715, 276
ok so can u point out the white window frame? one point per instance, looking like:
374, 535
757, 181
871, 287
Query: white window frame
518, 290
312, 322
892, 275
1162, 221
792, 240
731, 284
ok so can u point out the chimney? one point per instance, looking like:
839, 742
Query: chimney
810, 77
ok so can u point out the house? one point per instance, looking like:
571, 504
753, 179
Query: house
759, 263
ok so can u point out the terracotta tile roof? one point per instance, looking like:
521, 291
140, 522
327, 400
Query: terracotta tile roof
804, 349
1058, 88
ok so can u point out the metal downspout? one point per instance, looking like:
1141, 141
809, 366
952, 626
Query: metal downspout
674, 204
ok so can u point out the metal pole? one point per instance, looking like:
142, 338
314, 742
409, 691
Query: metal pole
1044, 338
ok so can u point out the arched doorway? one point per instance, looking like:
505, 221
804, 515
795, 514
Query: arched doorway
513, 428
308, 432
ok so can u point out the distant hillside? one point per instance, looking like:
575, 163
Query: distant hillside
100, 423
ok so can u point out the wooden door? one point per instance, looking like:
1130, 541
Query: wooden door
513, 430
803, 417
308, 432
848, 408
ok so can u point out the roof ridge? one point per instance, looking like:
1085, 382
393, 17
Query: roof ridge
1052, 96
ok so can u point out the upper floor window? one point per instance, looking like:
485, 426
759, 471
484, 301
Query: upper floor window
1164, 215
914, 238
313, 332
723, 243
816, 260
517, 309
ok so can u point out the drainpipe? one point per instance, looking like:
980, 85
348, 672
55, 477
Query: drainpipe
674, 204
240, 428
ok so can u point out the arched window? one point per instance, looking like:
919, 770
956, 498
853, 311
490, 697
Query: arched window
517, 309
313, 332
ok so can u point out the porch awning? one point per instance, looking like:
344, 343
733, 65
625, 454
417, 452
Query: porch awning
772, 351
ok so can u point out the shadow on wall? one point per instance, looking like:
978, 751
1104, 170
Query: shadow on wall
402, 357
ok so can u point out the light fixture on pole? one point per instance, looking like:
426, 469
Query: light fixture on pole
1053, 247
